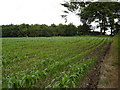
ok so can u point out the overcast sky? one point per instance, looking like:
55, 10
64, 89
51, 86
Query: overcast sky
33, 12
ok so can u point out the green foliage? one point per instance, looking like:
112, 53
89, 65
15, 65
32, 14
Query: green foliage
57, 62
26, 30
116, 49
84, 29
104, 13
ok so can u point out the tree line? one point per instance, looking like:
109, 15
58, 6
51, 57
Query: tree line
106, 14
43, 30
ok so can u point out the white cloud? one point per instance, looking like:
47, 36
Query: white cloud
33, 12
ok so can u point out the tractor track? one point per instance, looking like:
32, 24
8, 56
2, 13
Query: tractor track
92, 78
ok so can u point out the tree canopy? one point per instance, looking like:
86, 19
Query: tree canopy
36, 30
105, 13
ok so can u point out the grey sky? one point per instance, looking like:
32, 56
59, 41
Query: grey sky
33, 12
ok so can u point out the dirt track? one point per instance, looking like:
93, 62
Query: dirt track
109, 71
93, 77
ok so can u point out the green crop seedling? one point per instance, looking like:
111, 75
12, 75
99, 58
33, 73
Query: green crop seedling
49, 62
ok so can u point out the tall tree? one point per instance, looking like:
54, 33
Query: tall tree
104, 12
84, 29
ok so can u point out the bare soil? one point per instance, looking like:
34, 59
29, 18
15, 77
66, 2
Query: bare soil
109, 71
104, 74
92, 78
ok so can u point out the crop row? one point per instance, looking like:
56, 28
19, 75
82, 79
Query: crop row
57, 57
48, 71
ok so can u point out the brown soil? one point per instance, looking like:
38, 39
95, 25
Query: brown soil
92, 78
104, 74
109, 71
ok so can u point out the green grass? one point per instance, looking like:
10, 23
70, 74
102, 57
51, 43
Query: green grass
0, 63
49, 61
116, 49
104, 81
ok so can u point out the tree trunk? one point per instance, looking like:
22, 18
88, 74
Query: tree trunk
111, 31
104, 31
100, 30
